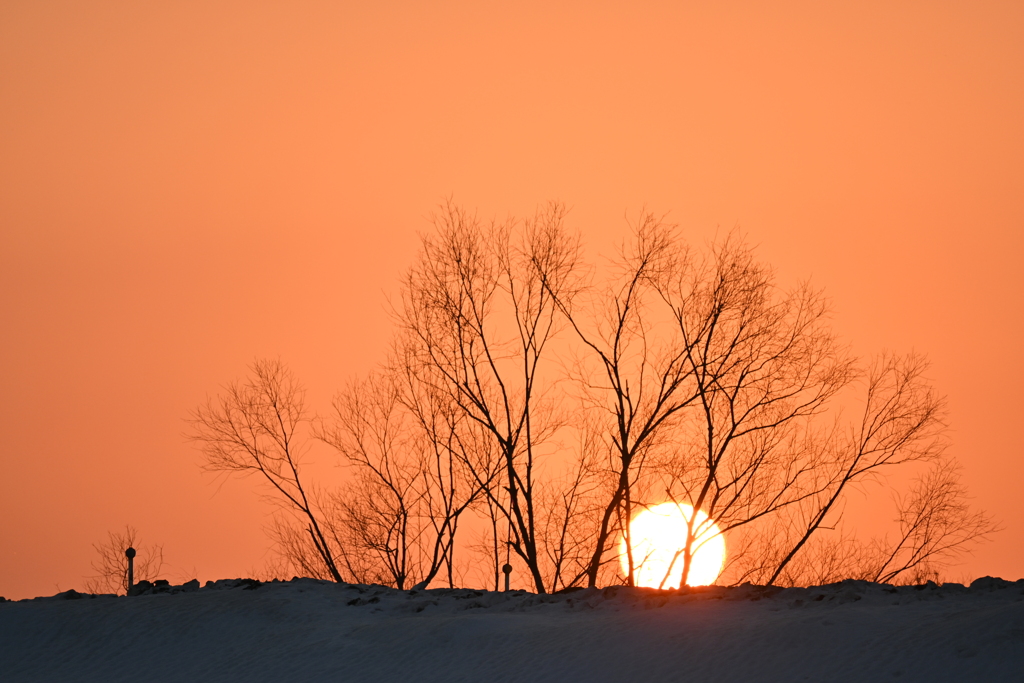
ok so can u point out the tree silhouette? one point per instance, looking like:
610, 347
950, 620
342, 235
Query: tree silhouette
530, 398
111, 566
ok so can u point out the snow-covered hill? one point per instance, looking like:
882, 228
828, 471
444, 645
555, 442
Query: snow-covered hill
306, 630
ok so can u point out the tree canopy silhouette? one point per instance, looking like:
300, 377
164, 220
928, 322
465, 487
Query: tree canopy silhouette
542, 400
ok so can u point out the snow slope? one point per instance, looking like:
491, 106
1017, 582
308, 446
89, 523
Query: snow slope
306, 630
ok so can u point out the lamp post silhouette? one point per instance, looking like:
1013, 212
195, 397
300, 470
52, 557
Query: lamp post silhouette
507, 569
130, 554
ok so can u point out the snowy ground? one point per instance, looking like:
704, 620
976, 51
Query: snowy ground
306, 630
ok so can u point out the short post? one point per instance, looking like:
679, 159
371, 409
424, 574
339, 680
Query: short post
507, 569
130, 554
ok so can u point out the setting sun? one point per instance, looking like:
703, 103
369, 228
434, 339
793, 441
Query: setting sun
659, 533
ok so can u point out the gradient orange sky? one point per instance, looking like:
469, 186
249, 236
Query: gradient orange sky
185, 186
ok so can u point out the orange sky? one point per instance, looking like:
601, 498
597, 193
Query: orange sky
185, 186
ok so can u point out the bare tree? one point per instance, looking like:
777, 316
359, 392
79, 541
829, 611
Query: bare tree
409, 448
710, 371
489, 543
569, 510
716, 385
378, 506
763, 364
257, 427
457, 458
733, 405
936, 524
296, 553
642, 381
692, 378
902, 421
482, 318
111, 566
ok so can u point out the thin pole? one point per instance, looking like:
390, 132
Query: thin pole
507, 569
130, 554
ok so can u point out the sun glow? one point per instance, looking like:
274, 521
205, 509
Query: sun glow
659, 534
